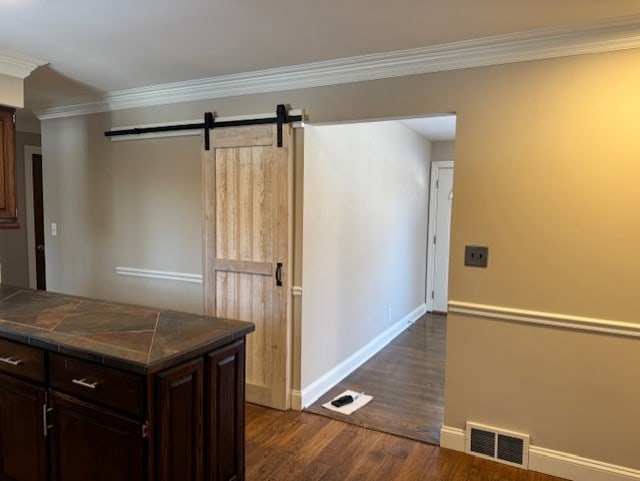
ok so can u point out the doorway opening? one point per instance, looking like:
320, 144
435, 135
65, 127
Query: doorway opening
440, 200
367, 253
34, 217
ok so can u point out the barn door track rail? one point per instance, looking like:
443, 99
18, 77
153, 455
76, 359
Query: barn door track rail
282, 117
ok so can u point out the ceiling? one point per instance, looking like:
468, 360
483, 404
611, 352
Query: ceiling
98, 46
434, 128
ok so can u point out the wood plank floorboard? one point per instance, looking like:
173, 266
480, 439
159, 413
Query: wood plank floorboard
406, 380
299, 446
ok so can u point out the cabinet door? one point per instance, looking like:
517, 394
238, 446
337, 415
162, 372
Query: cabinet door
8, 208
23, 455
178, 432
91, 443
225, 413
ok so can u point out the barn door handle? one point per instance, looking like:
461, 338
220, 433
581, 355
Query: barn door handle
279, 274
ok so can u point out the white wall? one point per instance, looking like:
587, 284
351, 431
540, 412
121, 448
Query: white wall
364, 237
443, 150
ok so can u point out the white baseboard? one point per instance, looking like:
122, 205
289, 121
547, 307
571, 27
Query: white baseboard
317, 388
554, 463
574, 467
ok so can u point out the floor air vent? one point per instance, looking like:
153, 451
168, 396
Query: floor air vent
497, 444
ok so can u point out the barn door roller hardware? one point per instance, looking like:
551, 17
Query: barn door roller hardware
282, 117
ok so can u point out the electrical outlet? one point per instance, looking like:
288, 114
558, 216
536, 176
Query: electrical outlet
476, 256
54, 229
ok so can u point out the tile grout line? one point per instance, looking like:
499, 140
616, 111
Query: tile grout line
153, 337
11, 295
65, 316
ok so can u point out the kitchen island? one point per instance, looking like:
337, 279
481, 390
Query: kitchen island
95, 390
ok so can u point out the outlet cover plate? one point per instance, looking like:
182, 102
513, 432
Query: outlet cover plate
476, 256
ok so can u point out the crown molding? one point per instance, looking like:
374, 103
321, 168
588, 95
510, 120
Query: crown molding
603, 36
18, 65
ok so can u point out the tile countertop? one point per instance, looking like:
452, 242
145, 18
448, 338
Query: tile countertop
134, 338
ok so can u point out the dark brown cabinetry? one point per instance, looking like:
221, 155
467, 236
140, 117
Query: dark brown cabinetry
179, 420
23, 448
69, 419
224, 393
23, 454
8, 205
91, 443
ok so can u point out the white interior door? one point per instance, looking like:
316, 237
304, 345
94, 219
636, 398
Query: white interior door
439, 230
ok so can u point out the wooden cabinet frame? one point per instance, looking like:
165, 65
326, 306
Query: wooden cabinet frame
8, 203
190, 424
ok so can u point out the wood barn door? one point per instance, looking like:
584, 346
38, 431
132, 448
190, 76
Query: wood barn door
247, 248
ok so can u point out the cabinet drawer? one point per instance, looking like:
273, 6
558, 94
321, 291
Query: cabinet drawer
103, 385
23, 361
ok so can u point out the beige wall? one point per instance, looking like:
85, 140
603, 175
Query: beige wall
11, 91
130, 204
573, 392
366, 191
546, 176
13, 242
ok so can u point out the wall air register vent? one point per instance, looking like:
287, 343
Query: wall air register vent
498, 444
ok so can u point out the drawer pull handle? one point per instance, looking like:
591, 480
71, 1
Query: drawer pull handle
10, 360
83, 382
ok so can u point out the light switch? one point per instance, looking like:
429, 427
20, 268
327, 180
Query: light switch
54, 229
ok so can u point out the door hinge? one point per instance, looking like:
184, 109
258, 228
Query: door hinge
145, 430
437, 184
432, 295
434, 239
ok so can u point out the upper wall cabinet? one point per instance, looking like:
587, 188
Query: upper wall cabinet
8, 205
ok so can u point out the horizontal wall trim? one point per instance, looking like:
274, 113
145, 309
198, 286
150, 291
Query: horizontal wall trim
165, 275
317, 388
566, 321
594, 37
554, 463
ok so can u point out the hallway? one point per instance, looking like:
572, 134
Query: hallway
406, 380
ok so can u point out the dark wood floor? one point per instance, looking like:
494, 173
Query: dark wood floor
299, 446
406, 380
